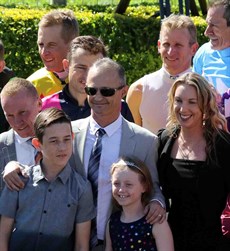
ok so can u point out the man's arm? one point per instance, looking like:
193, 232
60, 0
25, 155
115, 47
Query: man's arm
156, 208
82, 236
11, 177
151, 162
6, 227
155, 212
133, 99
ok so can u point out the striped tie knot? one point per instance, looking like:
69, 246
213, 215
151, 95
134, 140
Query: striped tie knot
100, 132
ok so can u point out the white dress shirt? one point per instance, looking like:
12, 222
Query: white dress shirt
24, 150
110, 154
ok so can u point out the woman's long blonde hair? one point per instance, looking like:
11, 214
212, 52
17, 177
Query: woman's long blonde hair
214, 121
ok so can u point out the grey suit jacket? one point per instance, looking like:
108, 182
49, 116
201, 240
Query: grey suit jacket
135, 141
7, 151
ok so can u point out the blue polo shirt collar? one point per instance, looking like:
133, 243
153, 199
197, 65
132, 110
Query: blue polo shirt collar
225, 52
39, 175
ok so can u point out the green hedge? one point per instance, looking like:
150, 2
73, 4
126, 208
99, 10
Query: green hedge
132, 38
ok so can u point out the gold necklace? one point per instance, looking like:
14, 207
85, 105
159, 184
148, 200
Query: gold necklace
183, 154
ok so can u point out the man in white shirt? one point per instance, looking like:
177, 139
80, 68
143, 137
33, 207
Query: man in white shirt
105, 87
147, 96
21, 104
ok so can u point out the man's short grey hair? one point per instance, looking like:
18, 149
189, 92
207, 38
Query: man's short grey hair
107, 63
226, 6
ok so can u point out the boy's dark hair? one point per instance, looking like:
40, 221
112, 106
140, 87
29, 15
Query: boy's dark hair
47, 118
2, 50
91, 44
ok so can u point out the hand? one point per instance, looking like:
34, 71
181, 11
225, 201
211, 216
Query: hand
155, 212
11, 177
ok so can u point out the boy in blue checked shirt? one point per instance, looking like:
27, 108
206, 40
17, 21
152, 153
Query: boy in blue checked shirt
54, 210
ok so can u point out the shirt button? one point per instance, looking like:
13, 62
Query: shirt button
44, 211
40, 233
49, 190
68, 205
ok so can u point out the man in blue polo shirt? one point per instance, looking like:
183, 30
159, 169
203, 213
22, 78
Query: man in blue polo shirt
212, 60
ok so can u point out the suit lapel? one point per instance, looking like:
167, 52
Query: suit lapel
79, 146
128, 142
9, 150
80, 138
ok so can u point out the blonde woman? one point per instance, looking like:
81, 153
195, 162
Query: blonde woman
193, 164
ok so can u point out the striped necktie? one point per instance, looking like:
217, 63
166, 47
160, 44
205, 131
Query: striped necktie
94, 161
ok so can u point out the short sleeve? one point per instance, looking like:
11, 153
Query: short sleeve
86, 210
8, 203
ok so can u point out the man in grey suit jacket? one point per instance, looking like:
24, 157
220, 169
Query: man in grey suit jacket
21, 104
106, 87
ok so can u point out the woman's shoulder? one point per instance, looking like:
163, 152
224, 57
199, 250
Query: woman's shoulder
223, 137
222, 146
165, 137
166, 133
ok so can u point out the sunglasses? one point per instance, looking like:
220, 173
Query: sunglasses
105, 91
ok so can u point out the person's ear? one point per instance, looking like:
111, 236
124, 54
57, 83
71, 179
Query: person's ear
39, 104
194, 48
144, 188
124, 90
2, 65
159, 45
36, 143
73, 135
65, 64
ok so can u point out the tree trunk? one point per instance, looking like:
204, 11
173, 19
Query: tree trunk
58, 2
122, 6
193, 8
203, 6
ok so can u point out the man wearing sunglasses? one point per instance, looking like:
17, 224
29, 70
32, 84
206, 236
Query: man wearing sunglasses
83, 52
105, 87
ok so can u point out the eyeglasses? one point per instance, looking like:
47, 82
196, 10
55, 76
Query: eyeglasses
105, 91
